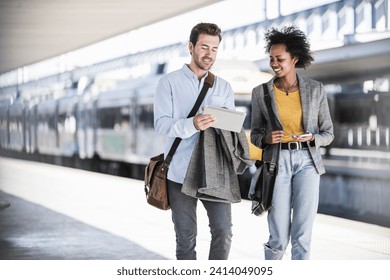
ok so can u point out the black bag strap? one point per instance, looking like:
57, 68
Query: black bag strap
267, 100
272, 116
208, 83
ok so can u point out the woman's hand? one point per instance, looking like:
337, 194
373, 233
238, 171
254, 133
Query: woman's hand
274, 137
303, 137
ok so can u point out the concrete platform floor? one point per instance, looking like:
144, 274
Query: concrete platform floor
63, 213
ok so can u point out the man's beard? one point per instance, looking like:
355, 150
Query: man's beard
204, 65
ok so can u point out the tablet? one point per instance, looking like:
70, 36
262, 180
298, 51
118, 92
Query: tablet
226, 119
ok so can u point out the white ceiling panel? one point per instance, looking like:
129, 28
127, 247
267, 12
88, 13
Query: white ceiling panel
34, 30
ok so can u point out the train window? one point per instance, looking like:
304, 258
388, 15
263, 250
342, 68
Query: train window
66, 123
114, 118
3, 122
15, 124
146, 117
47, 120
245, 106
51, 121
12, 126
61, 122
106, 117
122, 122
354, 109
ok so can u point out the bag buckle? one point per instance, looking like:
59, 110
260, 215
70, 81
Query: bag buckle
292, 146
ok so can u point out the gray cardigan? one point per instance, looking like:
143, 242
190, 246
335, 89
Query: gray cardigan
218, 156
316, 118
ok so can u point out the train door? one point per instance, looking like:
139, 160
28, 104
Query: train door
86, 124
148, 141
31, 128
16, 126
66, 122
113, 131
47, 131
4, 107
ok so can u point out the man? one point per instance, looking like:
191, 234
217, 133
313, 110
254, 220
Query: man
175, 96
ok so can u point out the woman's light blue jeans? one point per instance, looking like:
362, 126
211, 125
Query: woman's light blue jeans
185, 223
295, 204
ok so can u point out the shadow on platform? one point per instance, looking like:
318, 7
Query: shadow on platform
31, 232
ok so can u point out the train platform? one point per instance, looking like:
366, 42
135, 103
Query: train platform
60, 213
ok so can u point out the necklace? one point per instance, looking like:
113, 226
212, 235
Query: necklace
290, 87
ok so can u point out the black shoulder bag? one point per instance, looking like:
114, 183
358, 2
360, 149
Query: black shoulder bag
157, 170
265, 175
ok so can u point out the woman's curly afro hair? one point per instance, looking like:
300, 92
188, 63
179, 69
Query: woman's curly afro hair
295, 41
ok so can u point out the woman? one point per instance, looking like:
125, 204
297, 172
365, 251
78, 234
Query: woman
303, 125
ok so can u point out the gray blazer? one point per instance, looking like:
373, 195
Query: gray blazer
218, 156
316, 118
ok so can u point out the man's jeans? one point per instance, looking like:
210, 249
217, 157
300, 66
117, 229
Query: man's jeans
184, 218
295, 205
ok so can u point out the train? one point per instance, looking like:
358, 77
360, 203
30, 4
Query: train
107, 126
361, 121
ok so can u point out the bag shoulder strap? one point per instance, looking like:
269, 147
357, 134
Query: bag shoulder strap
208, 83
272, 116
267, 100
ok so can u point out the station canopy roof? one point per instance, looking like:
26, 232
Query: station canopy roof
35, 30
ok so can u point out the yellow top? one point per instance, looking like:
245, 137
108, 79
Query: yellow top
290, 113
255, 153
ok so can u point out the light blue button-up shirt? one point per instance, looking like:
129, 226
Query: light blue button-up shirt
175, 96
